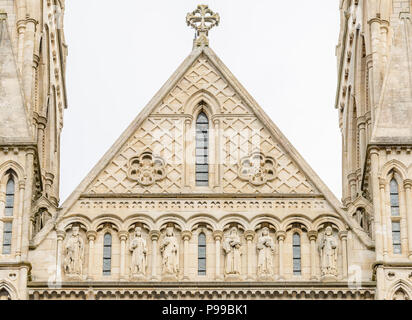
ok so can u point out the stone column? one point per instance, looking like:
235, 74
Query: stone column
362, 141
123, 235
91, 237
21, 27
60, 237
385, 219
343, 236
20, 218
186, 236
281, 236
313, 235
27, 203
154, 236
216, 123
408, 195
249, 236
374, 155
218, 236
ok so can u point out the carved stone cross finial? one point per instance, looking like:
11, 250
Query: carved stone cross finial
202, 20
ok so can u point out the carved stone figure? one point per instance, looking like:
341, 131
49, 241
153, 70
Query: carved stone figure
139, 253
329, 254
231, 247
73, 253
266, 249
169, 248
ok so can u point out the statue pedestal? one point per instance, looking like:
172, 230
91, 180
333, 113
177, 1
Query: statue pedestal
232, 277
137, 277
265, 277
329, 278
74, 277
169, 277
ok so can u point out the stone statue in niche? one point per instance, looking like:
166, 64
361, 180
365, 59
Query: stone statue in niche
329, 254
169, 248
139, 254
231, 247
74, 253
266, 249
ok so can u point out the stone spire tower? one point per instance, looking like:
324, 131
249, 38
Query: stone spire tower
374, 100
32, 99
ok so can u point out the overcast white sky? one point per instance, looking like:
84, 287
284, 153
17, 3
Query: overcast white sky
121, 52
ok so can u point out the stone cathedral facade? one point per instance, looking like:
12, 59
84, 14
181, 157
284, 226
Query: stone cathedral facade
202, 197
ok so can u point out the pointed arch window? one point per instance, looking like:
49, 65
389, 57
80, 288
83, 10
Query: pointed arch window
7, 233
202, 254
394, 191
202, 150
297, 263
10, 189
107, 254
395, 213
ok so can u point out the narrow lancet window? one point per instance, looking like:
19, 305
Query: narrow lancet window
107, 254
394, 198
396, 225
7, 233
202, 255
9, 198
297, 269
202, 150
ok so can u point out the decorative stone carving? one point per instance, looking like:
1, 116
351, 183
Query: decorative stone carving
74, 254
138, 248
202, 20
169, 247
266, 249
329, 254
146, 169
257, 169
231, 247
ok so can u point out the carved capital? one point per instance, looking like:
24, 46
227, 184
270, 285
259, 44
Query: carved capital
312, 235
154, 235
22, 184
218, 235
407, 183
249, 235
186, 235
281, 235
343, 235
382, 183
60, 235
123, 235
91, 235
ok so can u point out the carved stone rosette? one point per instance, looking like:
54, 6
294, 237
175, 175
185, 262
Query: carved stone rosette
257, 168
146, 169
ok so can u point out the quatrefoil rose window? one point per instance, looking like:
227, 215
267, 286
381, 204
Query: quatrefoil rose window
146, 169
257, 168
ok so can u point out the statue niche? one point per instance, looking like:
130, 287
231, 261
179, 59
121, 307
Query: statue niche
138, 248
74, 254
266, 250
329, 255
231, 248
169, 248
